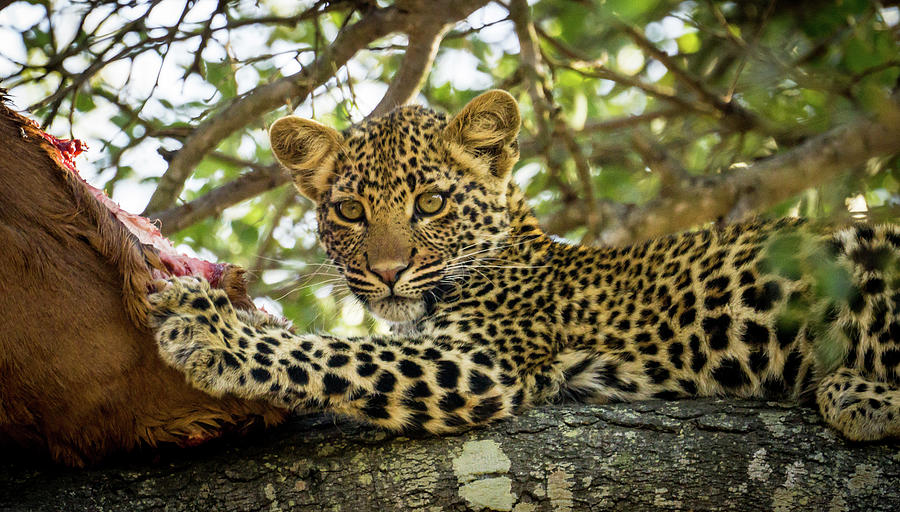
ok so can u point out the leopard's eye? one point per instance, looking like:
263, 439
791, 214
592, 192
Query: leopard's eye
429, 203
350, 210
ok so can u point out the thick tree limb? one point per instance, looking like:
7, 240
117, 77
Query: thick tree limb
375, 24
688, 455
757, 186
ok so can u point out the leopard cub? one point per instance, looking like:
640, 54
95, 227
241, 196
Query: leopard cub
493, 316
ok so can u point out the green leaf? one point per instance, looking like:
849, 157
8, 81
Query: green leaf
689, 43
631, 10
247, 235
84, 102
221, 75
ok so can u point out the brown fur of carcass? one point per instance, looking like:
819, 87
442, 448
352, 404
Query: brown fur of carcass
79, 373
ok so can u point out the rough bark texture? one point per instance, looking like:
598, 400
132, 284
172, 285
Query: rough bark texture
688, 455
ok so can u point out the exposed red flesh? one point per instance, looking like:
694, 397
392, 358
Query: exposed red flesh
149, 234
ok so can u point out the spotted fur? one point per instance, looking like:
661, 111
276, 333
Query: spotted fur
493, 316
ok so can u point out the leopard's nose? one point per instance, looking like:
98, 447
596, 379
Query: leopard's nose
388, 272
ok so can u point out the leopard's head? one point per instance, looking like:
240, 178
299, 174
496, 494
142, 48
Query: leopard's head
407, 202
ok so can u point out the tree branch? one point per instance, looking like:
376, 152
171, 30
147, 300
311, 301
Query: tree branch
528, 148
672, 175
251, 184
711, 455
261, 262
733, 195
760, 185
551, 121
424, 41
618, 123
583, 171
376, 23
736, 116
532, 68
420, 53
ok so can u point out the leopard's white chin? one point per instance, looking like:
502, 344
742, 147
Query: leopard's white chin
397, 309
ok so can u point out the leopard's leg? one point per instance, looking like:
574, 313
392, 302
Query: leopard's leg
393, 382
862, 409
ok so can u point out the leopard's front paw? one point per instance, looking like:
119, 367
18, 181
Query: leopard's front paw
195, 326
203, 367
189, 296
202, 357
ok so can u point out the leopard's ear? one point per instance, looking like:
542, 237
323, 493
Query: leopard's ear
308, 150
484, 134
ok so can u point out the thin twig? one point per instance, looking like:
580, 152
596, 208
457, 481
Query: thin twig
670, 172
738, 117
550, 120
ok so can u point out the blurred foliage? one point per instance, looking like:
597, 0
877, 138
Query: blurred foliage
134, 79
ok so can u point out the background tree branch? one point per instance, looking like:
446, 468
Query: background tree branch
260, 179
755, 187
376, 23
424, 41
424, 38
